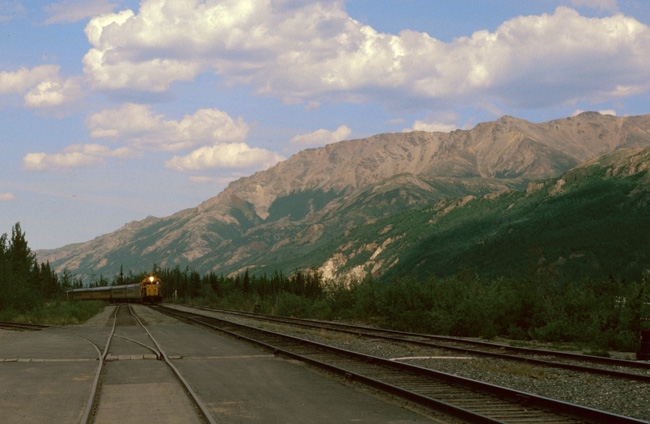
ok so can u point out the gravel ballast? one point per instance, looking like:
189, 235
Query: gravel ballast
616, 395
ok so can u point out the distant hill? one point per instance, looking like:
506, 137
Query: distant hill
310, 210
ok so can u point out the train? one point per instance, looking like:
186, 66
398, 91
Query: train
147, 291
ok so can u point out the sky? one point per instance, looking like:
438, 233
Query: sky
114, 110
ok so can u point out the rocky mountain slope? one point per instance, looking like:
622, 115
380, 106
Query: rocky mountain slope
591, 222
287, 217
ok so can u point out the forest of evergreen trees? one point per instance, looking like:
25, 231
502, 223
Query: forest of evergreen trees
24, 283
600, 313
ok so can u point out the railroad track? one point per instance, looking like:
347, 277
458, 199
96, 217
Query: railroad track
618, 368
124, 314
466, 399
20, 326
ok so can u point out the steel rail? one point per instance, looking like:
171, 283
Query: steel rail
22, 326
409, 337
446, 408
195, 397
157, 353
102, 357
513, 396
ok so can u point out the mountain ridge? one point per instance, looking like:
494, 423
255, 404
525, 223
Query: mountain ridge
318, 193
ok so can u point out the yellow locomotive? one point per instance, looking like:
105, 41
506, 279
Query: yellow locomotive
147, 291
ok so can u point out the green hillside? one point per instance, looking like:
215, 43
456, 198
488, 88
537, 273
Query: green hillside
308, 243
588, 223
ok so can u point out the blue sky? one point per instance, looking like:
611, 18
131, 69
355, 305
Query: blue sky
114, 110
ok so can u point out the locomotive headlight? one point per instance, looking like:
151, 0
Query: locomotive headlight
151, 279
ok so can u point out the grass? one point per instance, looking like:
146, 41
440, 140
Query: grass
56, 313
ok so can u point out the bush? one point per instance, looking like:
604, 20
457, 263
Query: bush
58, 313
293, 305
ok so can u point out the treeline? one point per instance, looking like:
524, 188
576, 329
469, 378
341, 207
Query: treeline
24, 283
242, 291
601, 314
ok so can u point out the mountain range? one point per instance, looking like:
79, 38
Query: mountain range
381, 205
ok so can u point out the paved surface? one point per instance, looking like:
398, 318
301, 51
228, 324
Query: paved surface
143, 391
45, 377
242, 384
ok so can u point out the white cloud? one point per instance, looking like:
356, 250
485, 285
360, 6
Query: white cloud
602, 112
75, 156
42, 84
111, 63
53, 92
314, 52
321, 137
436, 122
139, 126
23, 79
432, 127
77, 10
233, 155
538, 61
6, 197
